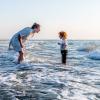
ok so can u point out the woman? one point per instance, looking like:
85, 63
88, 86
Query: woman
18, 40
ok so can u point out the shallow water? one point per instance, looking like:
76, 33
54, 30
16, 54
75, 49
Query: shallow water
42, 76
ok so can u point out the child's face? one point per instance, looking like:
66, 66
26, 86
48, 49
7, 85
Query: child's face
60, 36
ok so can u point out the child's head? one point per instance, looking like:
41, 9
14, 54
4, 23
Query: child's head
62, 35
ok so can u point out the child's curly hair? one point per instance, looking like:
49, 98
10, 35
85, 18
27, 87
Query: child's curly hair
63, 34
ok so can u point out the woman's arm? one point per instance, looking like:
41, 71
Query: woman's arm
20, 41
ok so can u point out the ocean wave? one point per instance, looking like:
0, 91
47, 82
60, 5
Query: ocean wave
87, 48
95, 55
41, 76
9, 55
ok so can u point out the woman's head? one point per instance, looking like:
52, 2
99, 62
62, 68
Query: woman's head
62, 35
36, 27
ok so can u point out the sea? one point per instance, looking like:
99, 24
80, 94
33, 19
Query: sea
41, 76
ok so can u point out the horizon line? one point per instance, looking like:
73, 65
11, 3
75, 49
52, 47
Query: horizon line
55, 39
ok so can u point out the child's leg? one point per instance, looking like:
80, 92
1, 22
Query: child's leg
64, 54
21, 57
62, 58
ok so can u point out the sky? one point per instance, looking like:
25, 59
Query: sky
79, 18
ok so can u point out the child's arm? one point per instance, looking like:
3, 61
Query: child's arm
64, 44
60, 42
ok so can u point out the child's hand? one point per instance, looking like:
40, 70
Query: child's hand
59, 43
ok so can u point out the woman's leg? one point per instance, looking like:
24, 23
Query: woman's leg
21, 57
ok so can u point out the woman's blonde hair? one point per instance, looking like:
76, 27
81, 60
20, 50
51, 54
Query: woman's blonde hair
63, 34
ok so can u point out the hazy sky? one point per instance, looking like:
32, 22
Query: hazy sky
79, 18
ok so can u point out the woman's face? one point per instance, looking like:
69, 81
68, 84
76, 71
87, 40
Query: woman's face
37, 29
